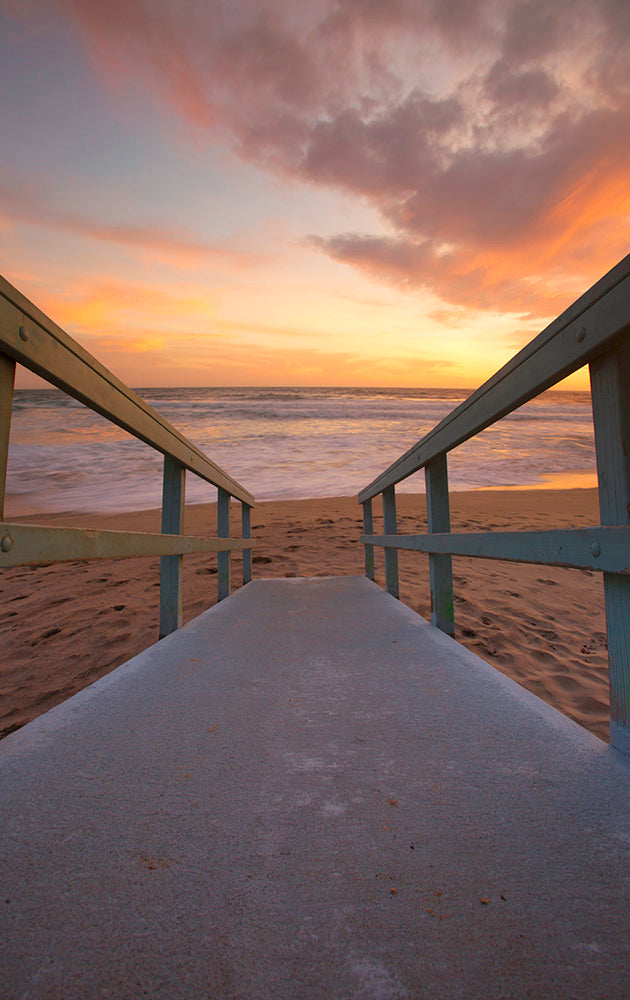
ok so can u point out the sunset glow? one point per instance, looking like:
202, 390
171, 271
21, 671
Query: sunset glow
330, 192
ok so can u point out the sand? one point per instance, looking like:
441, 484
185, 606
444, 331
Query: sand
63, 626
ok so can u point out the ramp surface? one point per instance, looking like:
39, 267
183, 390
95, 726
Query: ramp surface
310, 792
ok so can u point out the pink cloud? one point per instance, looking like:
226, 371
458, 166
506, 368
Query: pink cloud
463, 279
529, 104
20, 200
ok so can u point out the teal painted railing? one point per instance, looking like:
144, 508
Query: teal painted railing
30, 338
595, 330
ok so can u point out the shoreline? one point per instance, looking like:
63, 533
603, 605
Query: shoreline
65, 625
21, 505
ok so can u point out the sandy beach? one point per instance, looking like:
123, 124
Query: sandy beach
63, 626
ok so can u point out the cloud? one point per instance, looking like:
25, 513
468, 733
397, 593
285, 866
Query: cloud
112, 306
126, 325
468, 125
517, 91
19, 200
463, 279
234, 364
214, 361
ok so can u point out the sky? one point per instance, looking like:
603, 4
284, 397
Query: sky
311, 192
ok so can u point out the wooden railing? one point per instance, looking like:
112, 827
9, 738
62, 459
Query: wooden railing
30, 338
595, 330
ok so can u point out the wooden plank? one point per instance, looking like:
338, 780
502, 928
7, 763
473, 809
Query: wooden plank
440, 564
610, 390
30, 544
368, 528
171, 567
391, 554
581, 333
246, 531
7, 380
223, 531
605, 549
46, 349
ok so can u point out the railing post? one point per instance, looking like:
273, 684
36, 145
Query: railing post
223, 531
440, 566
246, 524
610, 390
7, 380
368, 529
171, 567
391, 555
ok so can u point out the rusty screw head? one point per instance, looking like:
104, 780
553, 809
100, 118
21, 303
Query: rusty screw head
6, 543
23, 333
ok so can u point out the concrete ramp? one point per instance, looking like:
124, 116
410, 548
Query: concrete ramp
310, 792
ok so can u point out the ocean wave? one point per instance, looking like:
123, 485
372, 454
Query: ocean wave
282, 443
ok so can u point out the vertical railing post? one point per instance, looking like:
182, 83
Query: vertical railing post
7, 380
610, 390
246, 524
223, 531
368, 529
391, 555
171, 567
440, 566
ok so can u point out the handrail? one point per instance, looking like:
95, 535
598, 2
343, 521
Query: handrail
595, 330
603, 549
30, 338
582, 332
31, 544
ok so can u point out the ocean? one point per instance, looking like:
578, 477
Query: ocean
284, 443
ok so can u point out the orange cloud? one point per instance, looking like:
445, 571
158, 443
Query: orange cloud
221, 363
497, 162
108, 304
134, 344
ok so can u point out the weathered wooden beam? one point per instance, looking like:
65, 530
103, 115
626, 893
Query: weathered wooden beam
368, 527
7, 380
223, 531
584, 331
246, 531
31, 338
440, 564
610, 390
604, 549
171, 567
391, 554
30, 544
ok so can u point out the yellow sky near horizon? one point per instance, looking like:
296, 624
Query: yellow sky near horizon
313, 194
